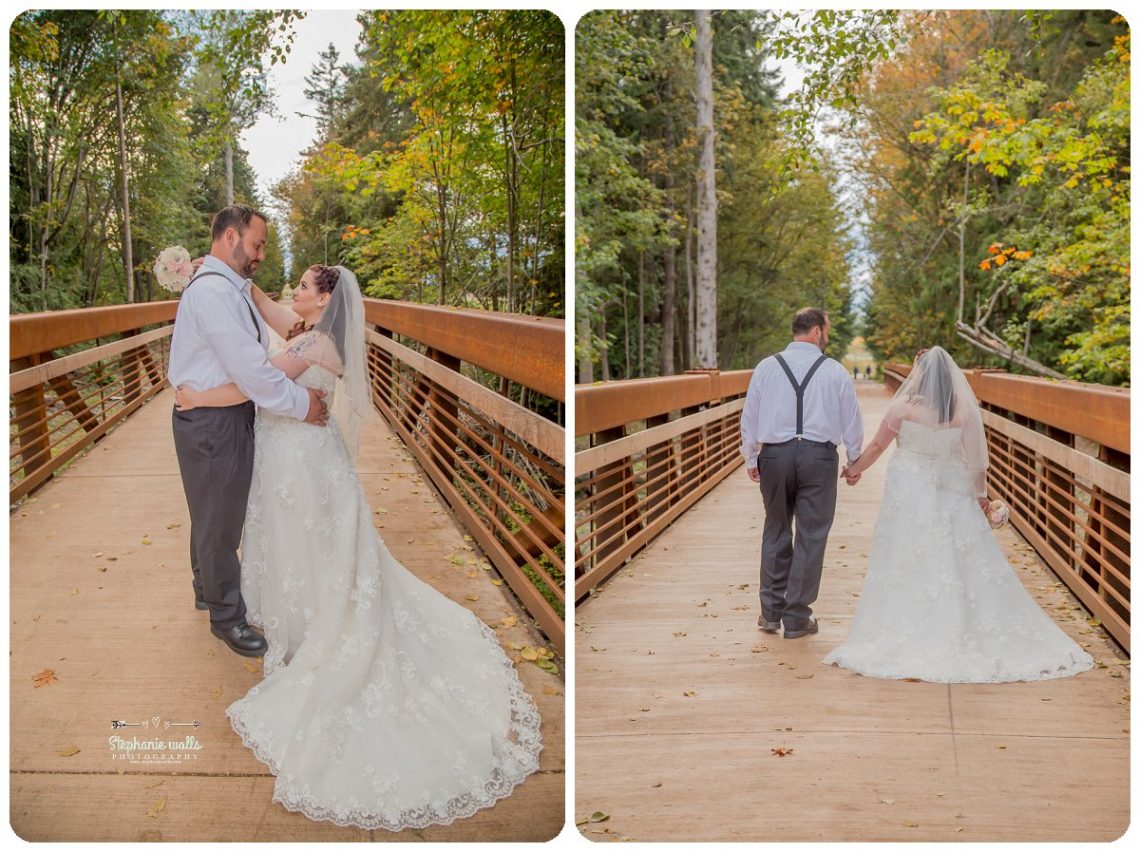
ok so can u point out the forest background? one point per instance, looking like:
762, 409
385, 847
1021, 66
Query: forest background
437, 173
968, 185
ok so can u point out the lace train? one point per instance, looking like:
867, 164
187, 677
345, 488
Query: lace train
384, 703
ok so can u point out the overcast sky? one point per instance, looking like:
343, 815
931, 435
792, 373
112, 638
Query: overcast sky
275, 144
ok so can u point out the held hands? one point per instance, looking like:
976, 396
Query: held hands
318, 412
850, 478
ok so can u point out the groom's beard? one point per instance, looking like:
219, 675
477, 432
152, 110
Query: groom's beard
244, 264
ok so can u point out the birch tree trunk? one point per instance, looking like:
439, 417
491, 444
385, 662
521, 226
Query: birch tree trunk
706, 201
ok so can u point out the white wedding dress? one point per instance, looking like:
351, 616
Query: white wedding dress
384, 704
940, 602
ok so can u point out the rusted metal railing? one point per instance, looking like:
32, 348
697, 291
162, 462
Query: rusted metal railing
1059, 457
63, 403
649, 449
498, 463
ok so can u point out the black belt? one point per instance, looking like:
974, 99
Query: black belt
826, 444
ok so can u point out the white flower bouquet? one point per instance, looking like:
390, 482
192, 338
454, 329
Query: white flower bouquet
998, 514
173, 269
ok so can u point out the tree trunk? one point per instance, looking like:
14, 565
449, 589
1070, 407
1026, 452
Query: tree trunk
690, 289
604, 348
668, 308
229, 156
668, 260
585, 347
641, 315
128, 253
706, 200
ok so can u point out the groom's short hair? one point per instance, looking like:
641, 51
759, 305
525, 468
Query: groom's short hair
235, 216
808, 318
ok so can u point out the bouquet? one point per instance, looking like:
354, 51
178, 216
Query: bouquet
173, 269
998, 514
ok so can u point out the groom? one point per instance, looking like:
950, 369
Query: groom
220, 338
800, 405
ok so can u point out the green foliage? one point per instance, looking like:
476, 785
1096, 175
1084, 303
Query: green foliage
780, 243
1047, 206
440, 175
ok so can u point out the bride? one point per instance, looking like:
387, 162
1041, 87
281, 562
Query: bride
940, 602
384, 704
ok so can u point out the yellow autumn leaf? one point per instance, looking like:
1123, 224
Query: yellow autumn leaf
69, 751
471, 597
529, 653
47, 676
157, 808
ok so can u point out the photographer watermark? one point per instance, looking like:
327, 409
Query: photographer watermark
151, 749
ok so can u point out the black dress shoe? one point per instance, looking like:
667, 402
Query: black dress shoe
768, 626
243, 640
812, 627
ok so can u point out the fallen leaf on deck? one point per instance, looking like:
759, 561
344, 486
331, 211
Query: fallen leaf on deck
44, 678
596, 816
680, 634
157, 808
887, 801
251, 667
550, 690
496, 582
528, 653
471, 597
145, 540
689, 693
69, 751
1001, 746
911, 824
217, 693
782, 751
509, 621
173, 526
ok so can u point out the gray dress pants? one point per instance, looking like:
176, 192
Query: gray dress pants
798, 480
215, 456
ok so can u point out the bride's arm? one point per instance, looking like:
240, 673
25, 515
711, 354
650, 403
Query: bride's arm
278, 317
186, 398
888, 431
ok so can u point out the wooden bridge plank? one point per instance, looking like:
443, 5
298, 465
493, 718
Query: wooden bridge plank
127, 643
1063, 774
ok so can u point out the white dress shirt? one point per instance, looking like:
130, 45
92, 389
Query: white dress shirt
215, 343
831, 412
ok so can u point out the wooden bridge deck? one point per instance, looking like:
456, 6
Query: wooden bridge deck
680, 700
101, 595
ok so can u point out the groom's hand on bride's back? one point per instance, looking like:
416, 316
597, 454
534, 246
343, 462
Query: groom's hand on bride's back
318, 412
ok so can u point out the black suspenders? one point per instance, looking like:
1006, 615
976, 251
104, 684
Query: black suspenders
256, 325
799, 387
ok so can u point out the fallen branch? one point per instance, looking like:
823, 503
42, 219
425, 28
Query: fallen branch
987, 341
